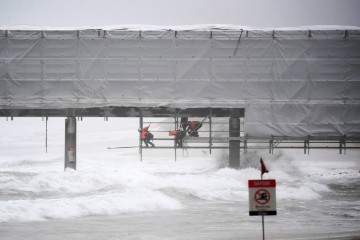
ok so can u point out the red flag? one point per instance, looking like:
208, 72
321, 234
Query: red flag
263, 167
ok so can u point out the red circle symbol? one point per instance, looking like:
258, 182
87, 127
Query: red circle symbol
262, 196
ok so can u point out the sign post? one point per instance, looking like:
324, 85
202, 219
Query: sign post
262, 199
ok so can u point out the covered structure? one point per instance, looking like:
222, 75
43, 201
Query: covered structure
290, 85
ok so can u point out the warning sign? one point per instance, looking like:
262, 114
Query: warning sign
262, 197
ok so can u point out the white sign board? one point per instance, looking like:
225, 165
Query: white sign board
262, 197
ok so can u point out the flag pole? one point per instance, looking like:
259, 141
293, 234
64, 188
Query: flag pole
263, 169
263, 224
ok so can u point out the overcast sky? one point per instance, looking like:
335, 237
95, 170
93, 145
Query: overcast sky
253, 13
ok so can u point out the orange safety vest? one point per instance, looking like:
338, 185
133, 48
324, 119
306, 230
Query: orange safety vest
174, 132
144, 133
192, 125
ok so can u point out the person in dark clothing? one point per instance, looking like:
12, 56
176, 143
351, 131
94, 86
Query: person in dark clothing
184, 123
179, 135
193, 128
146, 136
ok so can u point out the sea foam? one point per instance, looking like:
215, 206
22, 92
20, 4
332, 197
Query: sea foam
109, 203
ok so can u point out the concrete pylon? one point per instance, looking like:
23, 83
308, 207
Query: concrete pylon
234, 145
70, 142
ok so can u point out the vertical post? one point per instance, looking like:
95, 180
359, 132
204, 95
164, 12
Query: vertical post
210, 134
245, 144
307, 145
176, 122
342, 145
140, 140
46, 134
234, 144
46, 141
175, 153
262, 218
263, 226
70, 142
176, 127
271, 145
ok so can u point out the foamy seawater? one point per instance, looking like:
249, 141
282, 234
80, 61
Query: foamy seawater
195, 197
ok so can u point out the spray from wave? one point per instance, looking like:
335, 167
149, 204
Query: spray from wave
35, 187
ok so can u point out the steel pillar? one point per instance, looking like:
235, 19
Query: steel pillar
141, 123
70, 143
234, 145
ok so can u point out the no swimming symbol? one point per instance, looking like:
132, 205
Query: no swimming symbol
262, 196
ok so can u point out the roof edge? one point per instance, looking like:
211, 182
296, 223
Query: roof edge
201, 27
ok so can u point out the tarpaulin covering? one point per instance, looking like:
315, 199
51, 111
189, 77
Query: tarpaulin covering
291, 82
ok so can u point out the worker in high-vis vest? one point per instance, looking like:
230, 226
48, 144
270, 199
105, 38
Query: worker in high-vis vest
193, 128
146, 136
179, 135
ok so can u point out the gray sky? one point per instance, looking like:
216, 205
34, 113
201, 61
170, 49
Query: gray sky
253, 13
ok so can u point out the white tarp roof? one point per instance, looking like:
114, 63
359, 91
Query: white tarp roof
196, 27
291, 82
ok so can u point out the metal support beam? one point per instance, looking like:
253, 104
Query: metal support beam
271, 145
46, 134
307, 145
234, 144
141, 122
342, 145
123, 112
245, 144
70, 143
210, 134
176, 127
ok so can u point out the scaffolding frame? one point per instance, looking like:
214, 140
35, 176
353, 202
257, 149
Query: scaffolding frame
210, 141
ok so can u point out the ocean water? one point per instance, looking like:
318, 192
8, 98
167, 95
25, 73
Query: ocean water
113, 195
